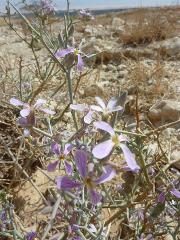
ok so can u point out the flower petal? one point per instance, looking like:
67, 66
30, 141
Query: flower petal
39, 103
81, 162
100, 102
26, 132
88, 117
52, 166
22, 121
106, 176
64, 52
115, 109
16, 102
80, 64
48, 111
25, 112
175, 192
112, 103
103, 149
161, 198
95, 197
67, 148
78, 107
129, 157
104, 126
55, 148
96, 108
68, 167
66, 183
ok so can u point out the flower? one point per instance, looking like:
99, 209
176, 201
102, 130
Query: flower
72, 52
31, 235
62, 157
103, 149
162, 196
47, 6
83, 108
66, 183
27, 117
85, 13
27, 109
106, 109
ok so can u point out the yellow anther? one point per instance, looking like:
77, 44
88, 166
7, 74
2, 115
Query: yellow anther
115, 139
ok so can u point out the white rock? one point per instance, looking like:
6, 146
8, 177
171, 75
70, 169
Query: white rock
165, 111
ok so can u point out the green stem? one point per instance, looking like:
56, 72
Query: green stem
70, 91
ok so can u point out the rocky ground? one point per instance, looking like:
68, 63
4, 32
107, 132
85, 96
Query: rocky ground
148, 66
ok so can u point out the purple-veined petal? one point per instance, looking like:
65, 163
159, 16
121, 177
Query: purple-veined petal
95, 197
112, 103
78, 107
67, 148
103, 149
106, 176
161, 197
129, 157
88, 117
64, 52
96, 108
52, 166
66, 183
104, 126
175, 192
81, 162
55, 148
68, 167
115, 109
16, 102
100, 102
48, 111
80, 64
25, 112
39, 103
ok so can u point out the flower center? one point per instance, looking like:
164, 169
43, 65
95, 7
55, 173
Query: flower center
88, 182
76, 52
61, 157
115, 139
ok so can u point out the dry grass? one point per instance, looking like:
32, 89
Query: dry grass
149, 79
144, 26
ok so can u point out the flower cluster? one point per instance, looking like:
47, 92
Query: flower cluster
47, 6
27, 117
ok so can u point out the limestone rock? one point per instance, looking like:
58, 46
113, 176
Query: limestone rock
169, 47
93, 91
164, 111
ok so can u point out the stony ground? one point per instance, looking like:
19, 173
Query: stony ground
150, 68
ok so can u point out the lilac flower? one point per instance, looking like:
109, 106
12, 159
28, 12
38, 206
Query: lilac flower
86, 14
27, 109
103, 149
47, 6
62, 157
83, 108
143, 237
74, 52
106, 109
3, 220
87, 180
31, 235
